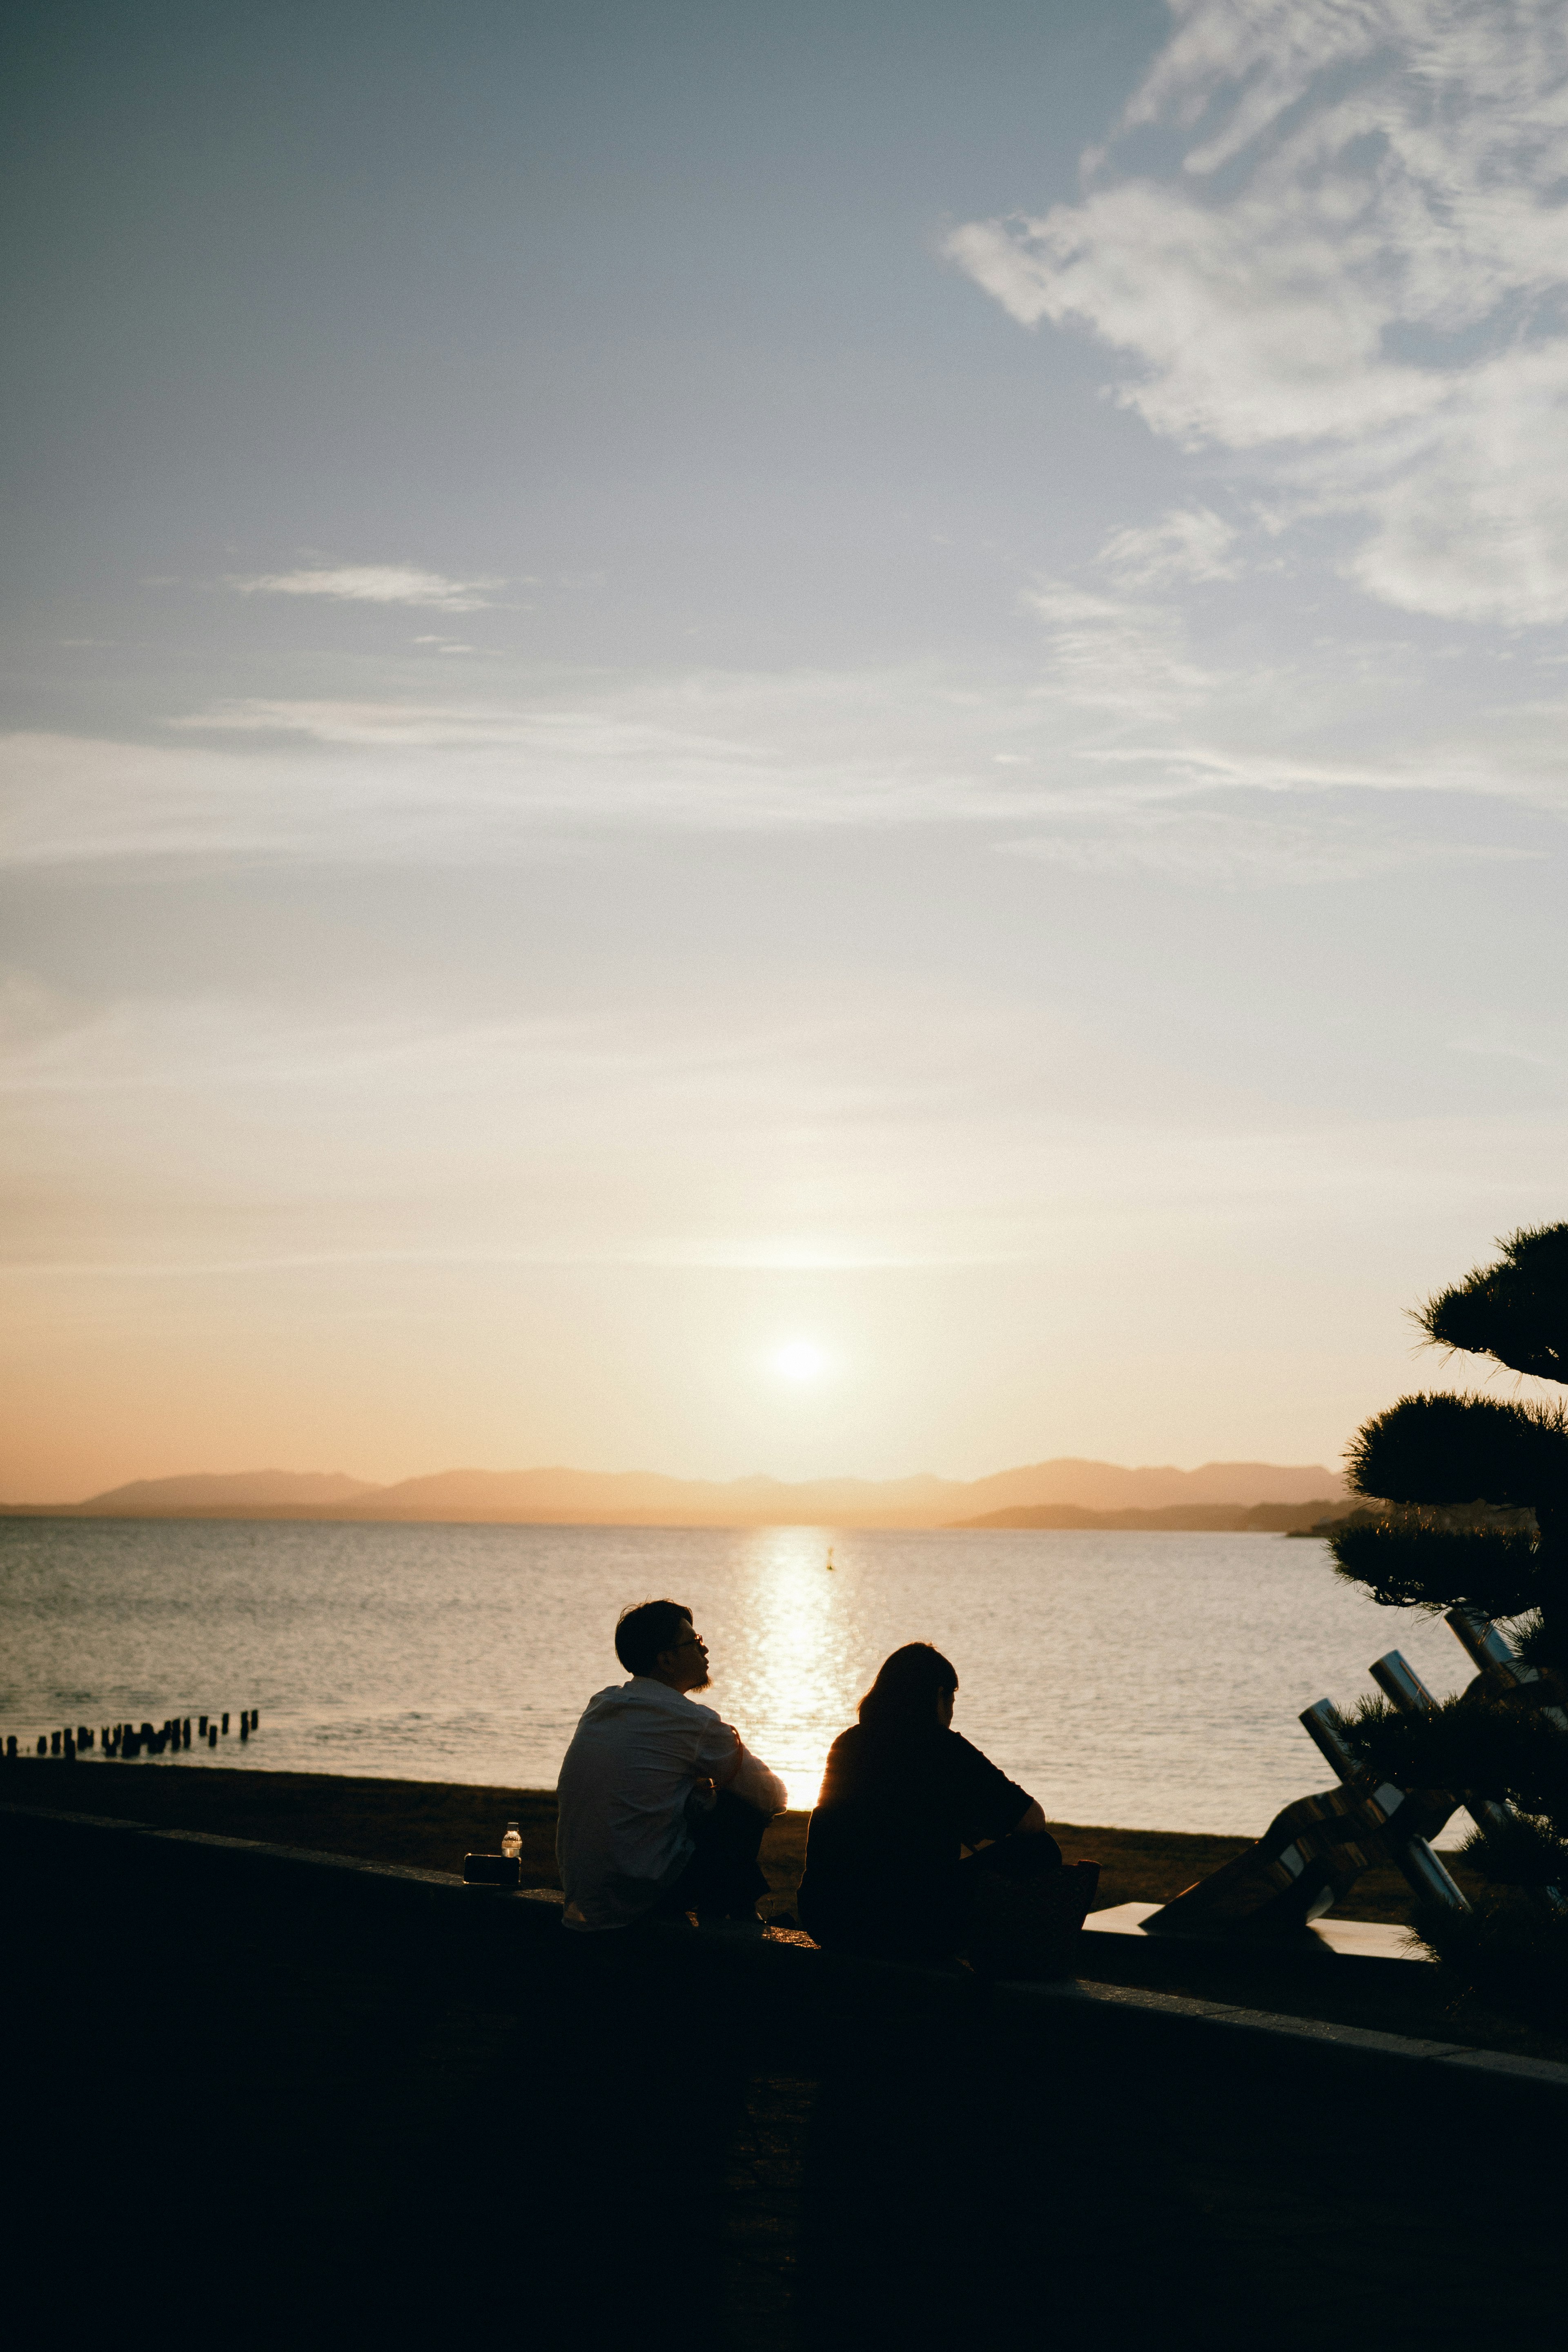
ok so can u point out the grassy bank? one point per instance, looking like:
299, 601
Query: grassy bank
431, 1824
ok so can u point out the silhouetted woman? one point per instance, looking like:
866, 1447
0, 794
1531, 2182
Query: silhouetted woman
902, 1795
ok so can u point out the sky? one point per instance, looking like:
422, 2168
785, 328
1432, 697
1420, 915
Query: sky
822, 740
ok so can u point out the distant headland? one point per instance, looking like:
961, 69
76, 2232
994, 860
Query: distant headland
1066, 1492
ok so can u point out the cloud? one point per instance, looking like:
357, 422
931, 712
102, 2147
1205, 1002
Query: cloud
1117, 718
374, 583
1189, 543
1475, 526
1240, 839
666, 1129
915, 1125
1116, 654
452, 777
1353, 269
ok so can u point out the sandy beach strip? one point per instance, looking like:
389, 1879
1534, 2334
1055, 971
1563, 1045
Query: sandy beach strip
433, 1823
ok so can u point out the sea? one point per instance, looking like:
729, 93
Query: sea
1146, 1681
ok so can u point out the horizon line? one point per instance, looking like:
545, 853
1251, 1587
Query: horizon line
364, 1488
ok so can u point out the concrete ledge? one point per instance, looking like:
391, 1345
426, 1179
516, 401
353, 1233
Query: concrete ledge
1121, 2023
1318, 1945
1115, 2014
1365, 1955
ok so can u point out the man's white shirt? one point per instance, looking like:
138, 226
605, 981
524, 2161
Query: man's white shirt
638, 1753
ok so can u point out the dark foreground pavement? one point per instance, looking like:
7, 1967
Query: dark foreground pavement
250, 2100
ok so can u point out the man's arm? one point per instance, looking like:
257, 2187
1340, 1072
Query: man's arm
728, 1763
750, 1780
727, 1771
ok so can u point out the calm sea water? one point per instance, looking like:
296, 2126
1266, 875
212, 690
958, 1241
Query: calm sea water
1148, 1681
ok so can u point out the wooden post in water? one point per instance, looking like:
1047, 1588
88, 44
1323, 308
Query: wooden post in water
212, 1735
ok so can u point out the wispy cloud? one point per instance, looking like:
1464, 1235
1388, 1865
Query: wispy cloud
918, 1127
1322, 837
1355, 272
1187, 544
1121, 716
457, 777
374, 583
1118, 655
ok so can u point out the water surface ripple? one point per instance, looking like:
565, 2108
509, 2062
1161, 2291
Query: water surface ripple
1152, 1681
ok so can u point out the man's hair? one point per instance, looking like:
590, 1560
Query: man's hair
901, 1702
643, 1632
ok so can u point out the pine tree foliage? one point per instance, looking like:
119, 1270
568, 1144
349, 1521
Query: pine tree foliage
1463, 1449
1399, 1559
1441, 1468
1485, 1748
1516, 1312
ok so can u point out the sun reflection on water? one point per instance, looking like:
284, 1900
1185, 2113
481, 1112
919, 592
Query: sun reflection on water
796, 1684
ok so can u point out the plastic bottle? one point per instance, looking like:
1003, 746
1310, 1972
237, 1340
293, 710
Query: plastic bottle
511, 1844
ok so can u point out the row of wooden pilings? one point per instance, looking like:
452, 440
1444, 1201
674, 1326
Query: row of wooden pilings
129, 1741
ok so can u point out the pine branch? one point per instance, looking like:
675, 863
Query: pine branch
1477, 1746
1507, 1950
1454, 1449
1533, 1641
1516, 1312
1521, 1850
1411, 1561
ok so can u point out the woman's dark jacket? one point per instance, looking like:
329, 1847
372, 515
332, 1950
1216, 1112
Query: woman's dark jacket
883, 1848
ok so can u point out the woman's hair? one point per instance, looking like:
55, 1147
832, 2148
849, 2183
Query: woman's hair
902, 1699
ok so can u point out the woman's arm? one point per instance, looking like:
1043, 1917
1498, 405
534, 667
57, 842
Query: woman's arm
1034, 1820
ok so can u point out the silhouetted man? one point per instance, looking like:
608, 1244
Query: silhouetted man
662, 1807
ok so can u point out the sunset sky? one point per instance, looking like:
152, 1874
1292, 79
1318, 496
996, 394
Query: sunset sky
818, 740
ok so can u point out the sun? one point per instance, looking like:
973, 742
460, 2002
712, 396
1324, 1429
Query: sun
800, 1360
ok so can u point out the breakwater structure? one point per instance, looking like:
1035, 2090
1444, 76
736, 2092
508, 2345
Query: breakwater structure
327, 2096
1280, 1891
125, 1742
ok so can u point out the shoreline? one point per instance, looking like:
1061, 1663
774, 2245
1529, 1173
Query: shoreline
1064, 1519
431, 1824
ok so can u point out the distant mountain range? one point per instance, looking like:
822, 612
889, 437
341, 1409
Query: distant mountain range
1066, 1492
236, 1490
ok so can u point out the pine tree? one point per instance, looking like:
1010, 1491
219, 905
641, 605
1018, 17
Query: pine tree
1474, 1496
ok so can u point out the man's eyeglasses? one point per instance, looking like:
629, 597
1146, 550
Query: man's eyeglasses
690, 1642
